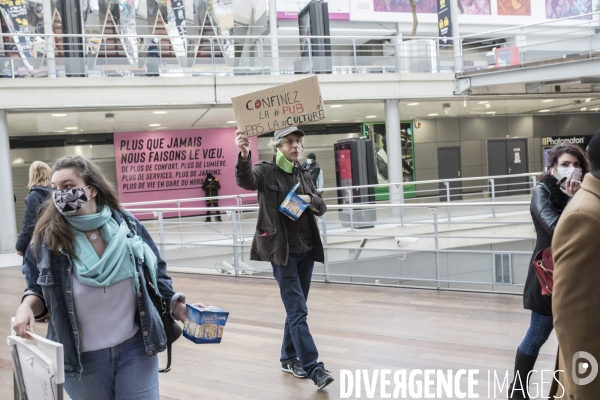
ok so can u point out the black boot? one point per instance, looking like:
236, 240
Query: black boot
208, 219
524, 364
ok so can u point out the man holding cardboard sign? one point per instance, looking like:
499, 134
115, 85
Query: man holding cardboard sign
287, 238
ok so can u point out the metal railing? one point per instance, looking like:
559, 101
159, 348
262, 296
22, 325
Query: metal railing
365, 243
566, 39
444, 190
126, 55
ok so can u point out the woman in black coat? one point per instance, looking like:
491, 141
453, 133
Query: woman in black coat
39, 189
547, 204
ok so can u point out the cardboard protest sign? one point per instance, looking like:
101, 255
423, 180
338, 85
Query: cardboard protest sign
268, 110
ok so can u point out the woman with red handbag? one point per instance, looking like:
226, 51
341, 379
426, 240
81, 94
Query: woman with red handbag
547, 204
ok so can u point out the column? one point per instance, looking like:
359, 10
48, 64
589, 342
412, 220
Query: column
273, 33
397, 41
49, 31
394, 152
8, 233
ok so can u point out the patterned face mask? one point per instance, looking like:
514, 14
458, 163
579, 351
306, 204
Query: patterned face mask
68, 202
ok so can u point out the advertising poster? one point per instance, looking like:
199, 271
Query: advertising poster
15, 15
376, 132
556, 9
170, 165
403, 6
474, 7
444, 21
514, 7
223, 11
289, 9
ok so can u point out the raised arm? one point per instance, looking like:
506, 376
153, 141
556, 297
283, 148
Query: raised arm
246, 177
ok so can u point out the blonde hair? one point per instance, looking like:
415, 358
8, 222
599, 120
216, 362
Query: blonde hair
39, 174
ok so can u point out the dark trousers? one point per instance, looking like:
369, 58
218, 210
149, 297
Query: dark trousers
213, 203
294, 284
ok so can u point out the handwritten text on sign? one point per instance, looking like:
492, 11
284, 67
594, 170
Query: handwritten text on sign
291, 104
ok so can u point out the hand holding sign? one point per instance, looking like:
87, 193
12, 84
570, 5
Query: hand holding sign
243, 142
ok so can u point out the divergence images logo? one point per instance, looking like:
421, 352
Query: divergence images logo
580, 367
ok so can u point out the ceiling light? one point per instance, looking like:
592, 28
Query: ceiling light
154, 125
230, 122
588, 100
335, 106
583, 108
544, 110
71, 128
482, 102
491, 112
371, 116
594, 109
433, 115
487, 105
336, 120
412, 104
547, 101
59, 115
159, 112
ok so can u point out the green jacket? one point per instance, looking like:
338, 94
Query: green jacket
269, 180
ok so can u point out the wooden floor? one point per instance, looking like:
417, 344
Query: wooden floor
355, 327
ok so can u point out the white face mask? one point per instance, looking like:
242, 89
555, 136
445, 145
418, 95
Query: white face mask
569, 172
309, 161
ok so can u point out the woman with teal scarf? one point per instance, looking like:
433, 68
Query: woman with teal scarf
87, 266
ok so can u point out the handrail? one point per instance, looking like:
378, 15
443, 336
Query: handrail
188, 200
534, 24
356, 206
379, 185
287, 37
216, 36
434, 181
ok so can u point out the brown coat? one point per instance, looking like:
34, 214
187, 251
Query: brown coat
576, 296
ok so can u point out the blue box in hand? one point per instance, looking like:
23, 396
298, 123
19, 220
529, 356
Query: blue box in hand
204, 325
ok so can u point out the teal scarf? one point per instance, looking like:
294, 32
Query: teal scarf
118, 261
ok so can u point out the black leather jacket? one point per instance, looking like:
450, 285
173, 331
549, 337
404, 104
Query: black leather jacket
547, 205
270, 241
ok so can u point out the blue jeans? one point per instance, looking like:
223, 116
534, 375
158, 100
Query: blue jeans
123, 372
294, 284
540, 328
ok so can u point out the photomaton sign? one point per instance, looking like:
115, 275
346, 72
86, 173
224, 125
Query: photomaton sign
172, 165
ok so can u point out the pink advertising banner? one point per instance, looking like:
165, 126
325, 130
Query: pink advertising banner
172, 165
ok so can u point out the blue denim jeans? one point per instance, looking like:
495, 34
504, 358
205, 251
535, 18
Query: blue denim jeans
294, 284
540, 328
123, 372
